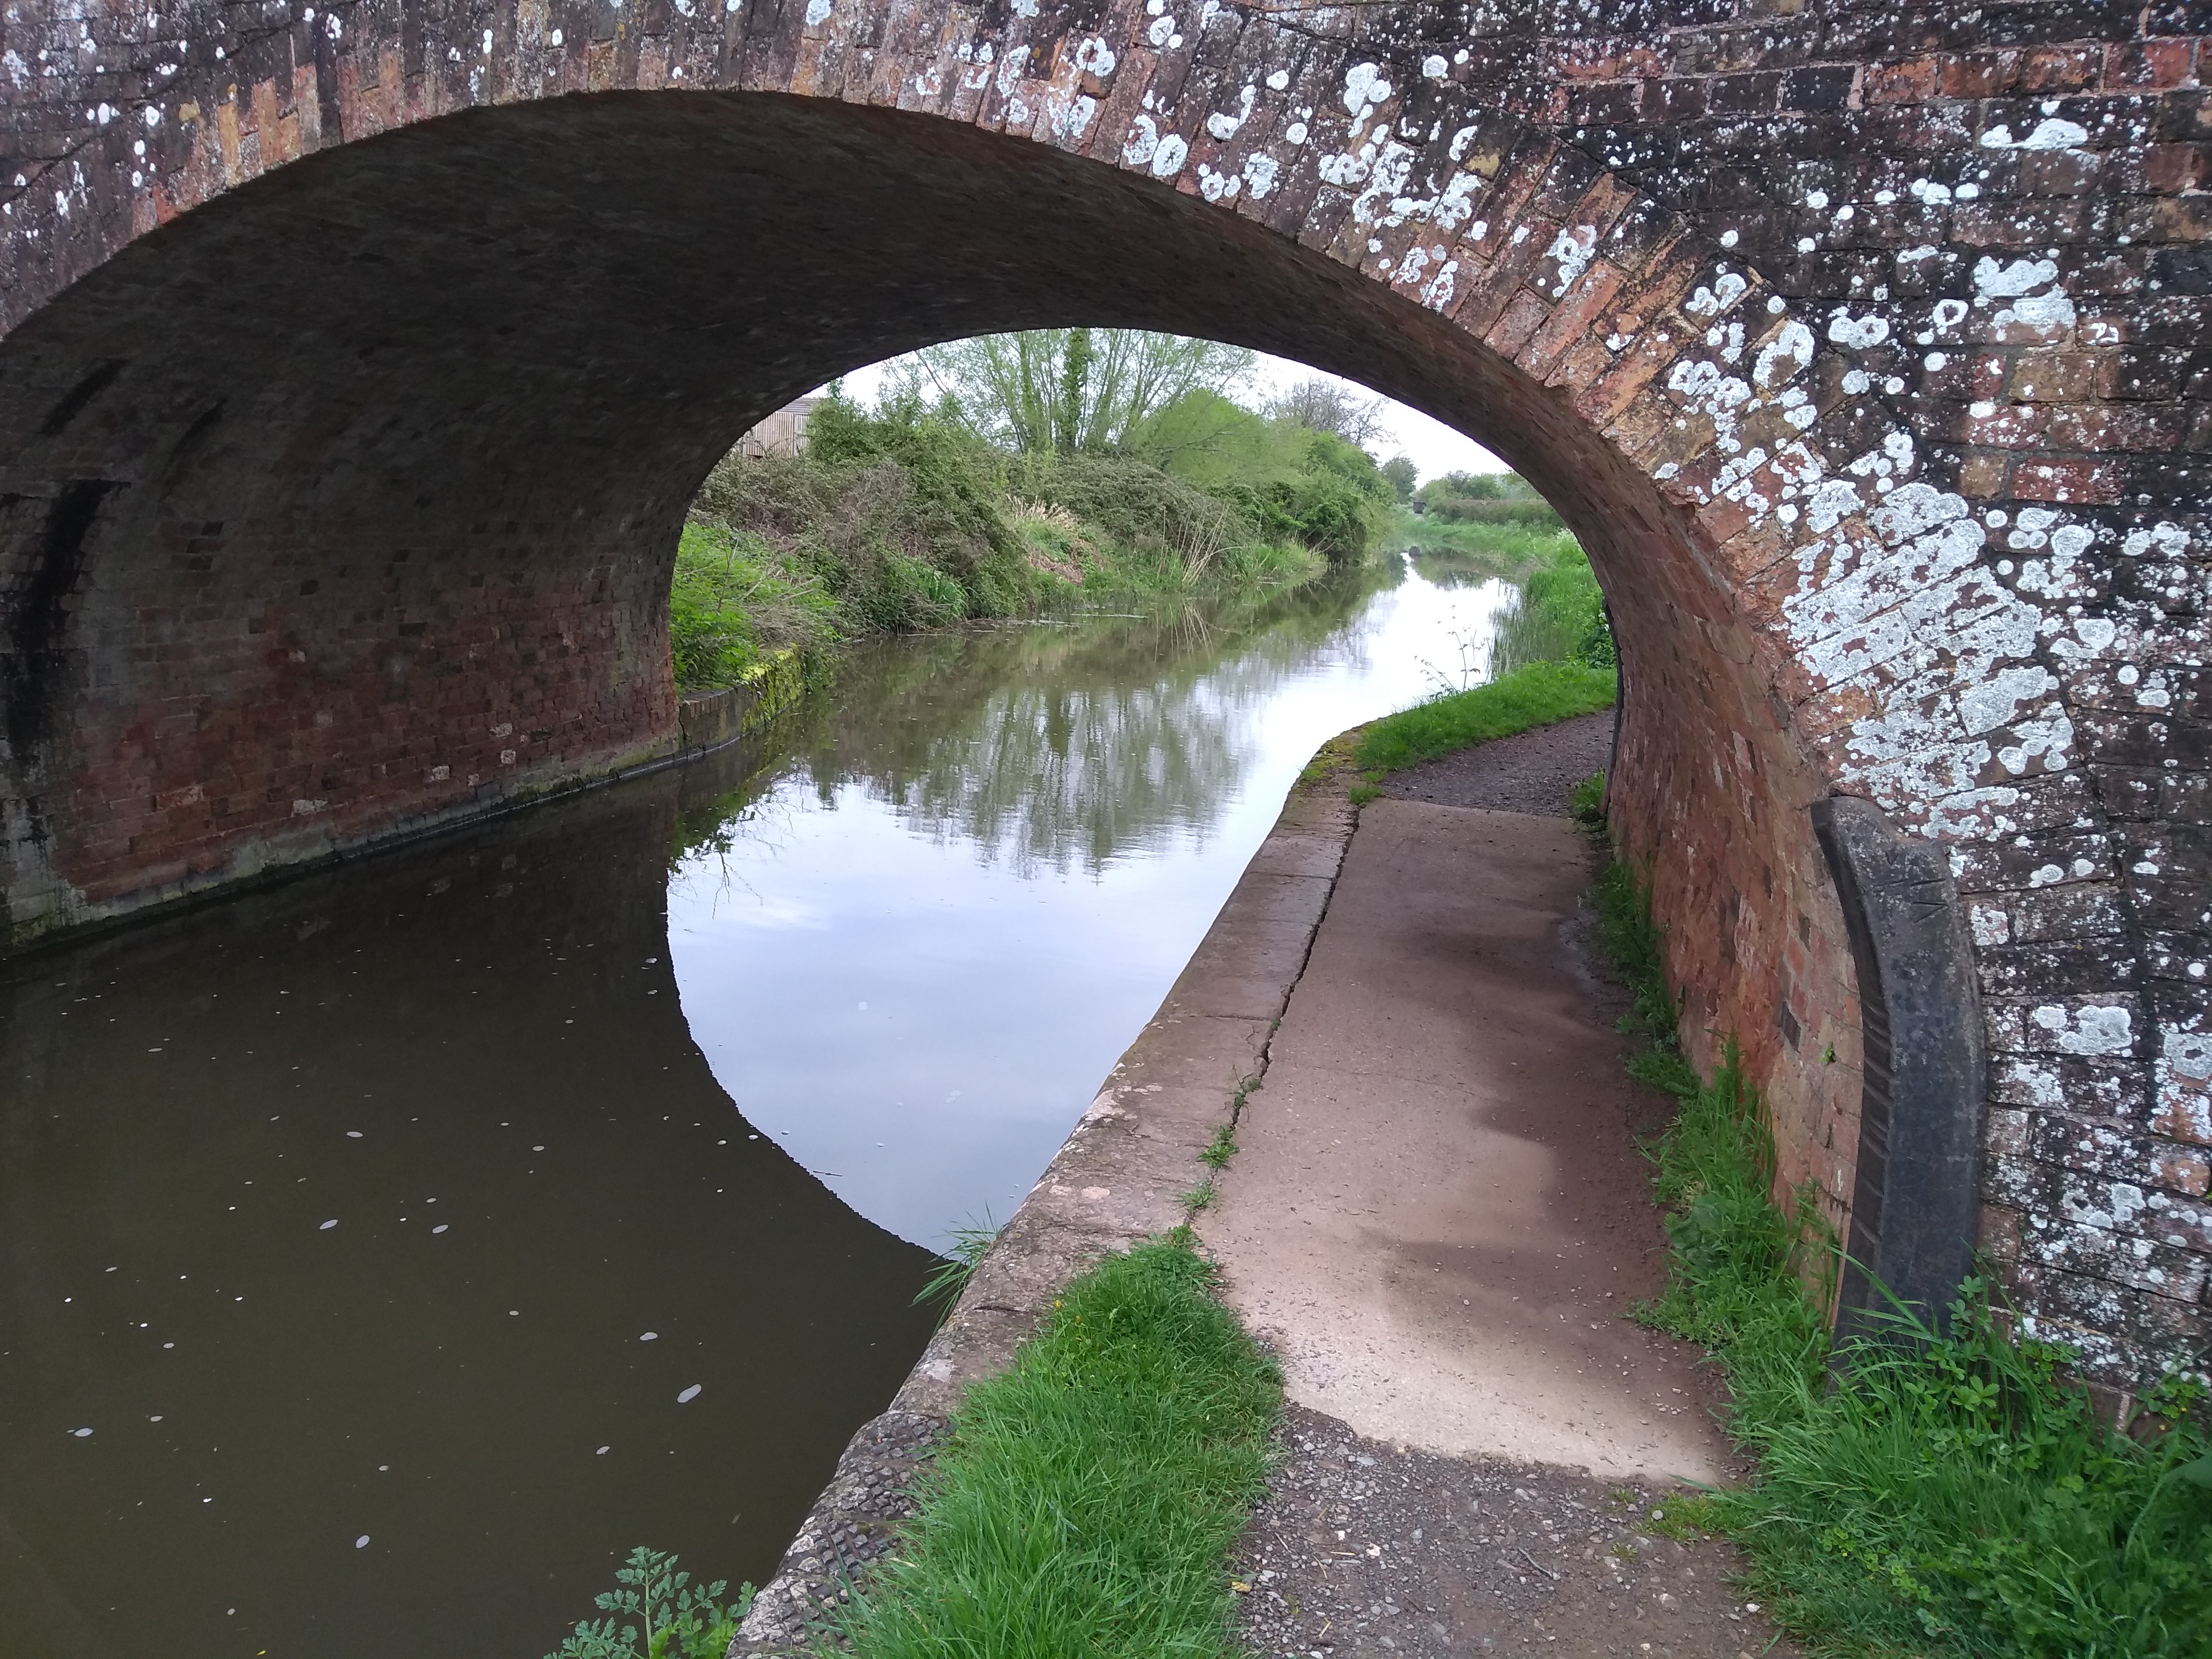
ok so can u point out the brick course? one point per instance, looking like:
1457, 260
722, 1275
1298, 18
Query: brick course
359, 361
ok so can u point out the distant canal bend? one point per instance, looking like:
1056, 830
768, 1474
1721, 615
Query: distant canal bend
388, 1251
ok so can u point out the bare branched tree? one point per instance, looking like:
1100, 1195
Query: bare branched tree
1323, 405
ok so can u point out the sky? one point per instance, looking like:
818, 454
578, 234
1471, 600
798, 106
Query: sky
1434, 447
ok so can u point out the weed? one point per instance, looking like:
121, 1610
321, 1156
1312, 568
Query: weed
1931, 1490
1222, 1147
1248, 1084
1538, 695
1089, 1497
1361, 794
1199, 1199
1586, 803
676, 1619
957, 1263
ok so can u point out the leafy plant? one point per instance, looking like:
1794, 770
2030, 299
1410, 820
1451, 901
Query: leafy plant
673, 1618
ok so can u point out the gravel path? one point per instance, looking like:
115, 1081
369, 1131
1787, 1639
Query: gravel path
1364, 1548
1531, 772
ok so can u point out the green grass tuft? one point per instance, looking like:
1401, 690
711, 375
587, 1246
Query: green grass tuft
1221, 1149
1926, 1493
1586, 803
1089, 1497
1539, 695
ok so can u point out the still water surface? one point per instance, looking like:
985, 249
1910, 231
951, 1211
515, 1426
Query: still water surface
386, 1253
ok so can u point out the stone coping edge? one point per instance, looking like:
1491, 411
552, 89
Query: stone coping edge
1119, 1178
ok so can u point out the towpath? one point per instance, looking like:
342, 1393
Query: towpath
1438, 1219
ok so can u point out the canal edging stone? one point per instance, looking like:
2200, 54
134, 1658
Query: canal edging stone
1120, 1178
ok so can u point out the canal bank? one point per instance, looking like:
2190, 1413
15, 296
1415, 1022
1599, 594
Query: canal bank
1440, 1120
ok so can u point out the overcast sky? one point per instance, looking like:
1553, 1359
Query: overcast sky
1435, 448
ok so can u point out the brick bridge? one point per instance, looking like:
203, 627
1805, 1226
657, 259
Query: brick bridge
360, 360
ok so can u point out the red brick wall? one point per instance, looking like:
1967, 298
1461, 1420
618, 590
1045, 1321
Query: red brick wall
1863, 344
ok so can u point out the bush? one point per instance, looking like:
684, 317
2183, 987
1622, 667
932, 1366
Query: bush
732, 602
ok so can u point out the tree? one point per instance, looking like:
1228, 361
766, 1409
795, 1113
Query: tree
1325, 404
1065, 389
1399, 471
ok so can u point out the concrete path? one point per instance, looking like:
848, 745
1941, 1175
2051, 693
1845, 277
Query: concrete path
1438, 1216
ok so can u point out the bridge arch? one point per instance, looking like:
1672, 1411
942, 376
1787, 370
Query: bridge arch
360, 362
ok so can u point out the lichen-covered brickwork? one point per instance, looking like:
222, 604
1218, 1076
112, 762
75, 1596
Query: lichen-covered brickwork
359, 359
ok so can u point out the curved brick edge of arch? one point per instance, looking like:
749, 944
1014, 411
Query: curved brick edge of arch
1972, 588
1914, 1201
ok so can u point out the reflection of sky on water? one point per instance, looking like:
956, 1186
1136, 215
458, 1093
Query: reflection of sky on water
919, 955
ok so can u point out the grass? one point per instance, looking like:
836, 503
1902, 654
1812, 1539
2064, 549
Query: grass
1539, 695
957, 1261
1088, 1498
1558, 615
1930, 1492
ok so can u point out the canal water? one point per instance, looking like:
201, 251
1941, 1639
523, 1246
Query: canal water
387, 1252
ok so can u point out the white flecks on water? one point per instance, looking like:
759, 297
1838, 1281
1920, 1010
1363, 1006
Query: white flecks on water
684, 1399
81, 1433
536, 1149
361, 1542
353, 1134
603, 1451
440, 1227
650, 1336
327, 1225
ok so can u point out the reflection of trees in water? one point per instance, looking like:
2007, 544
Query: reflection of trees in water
1053, 745
1452, 566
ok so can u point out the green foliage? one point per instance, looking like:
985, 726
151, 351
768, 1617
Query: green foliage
1089, 1496
1495, 498
1207, 439
1401, 472
675, 1618
1923, 1492
894, 521
957, 1263
1221, 1148
1586, 803
1065, 391
1539, 695
1558, 615
732, 602
905, 520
